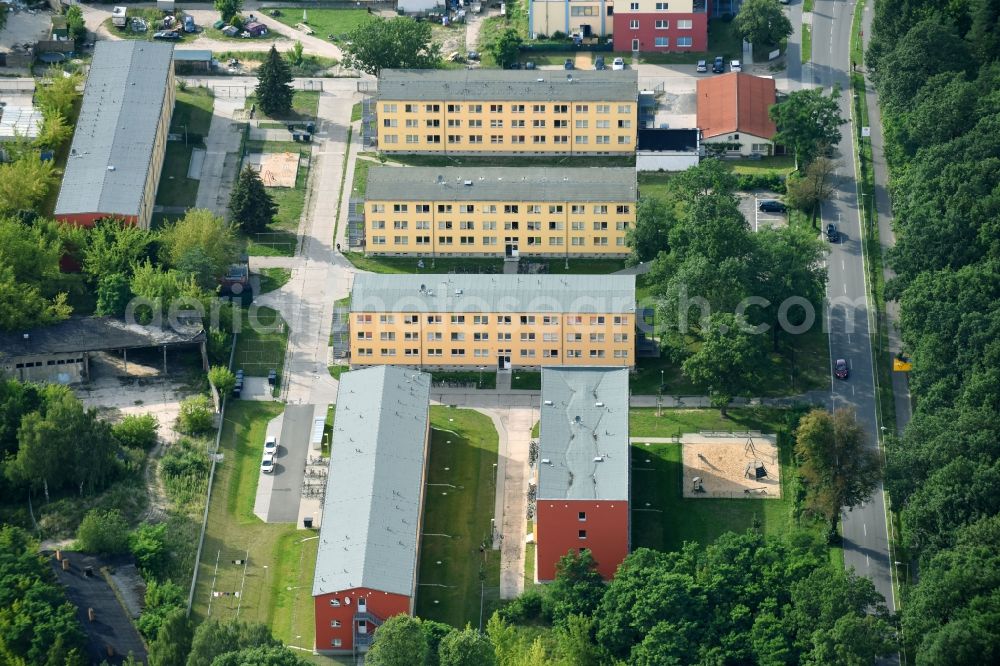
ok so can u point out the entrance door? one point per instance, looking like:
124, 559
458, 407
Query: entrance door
635, 44
362, 605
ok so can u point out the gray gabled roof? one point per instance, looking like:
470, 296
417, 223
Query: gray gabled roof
598, 294
122, 102
500, 184
372, 510
583, 450
507, 85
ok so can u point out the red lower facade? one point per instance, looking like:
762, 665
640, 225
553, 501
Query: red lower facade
347, 620
89, 219
564, 525
638, 31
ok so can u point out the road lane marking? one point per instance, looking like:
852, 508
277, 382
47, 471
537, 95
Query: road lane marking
867, 561
865, 526
845, 288
843, 266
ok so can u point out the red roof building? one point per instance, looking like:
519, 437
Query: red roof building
733, 113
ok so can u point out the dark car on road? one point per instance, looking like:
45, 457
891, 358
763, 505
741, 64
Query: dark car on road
569, 64
599, 63
718, 65
832, 234
771, 206
840, 369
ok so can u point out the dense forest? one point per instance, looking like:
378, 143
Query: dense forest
936, 67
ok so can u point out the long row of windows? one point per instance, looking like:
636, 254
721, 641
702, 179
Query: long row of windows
498, 123
508, 209
499, 108
500, 320
446, 225
557, 241
458, 336
459, 352
497, 139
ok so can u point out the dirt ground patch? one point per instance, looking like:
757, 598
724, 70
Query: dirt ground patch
727, 464
276, 169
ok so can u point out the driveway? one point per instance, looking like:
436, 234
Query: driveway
278, 493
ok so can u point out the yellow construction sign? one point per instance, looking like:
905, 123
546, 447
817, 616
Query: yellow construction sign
901, 364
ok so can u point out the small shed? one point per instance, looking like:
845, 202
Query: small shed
19, 122
256, 29
59, 28
187, 60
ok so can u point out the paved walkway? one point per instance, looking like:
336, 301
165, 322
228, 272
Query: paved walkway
503, 398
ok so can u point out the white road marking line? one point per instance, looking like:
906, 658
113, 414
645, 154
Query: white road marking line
867, 561
843, 266
852, 389
865, 526
845, 288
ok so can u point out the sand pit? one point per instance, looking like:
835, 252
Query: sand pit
722, 462
275, 169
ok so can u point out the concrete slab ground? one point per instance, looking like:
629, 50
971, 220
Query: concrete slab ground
160, 397
265, 484
290, 464
757, 218
222, 147
256, 388
25, 27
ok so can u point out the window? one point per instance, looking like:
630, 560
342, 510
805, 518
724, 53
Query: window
758, 147
582, 139
574, 337
390, 122
510, 208
624, 139
581, 516
662, 25
597, 320
334, 623
386, 319
538, 123
574, 353
550, 337
550, 353
624, 108
410, 319
467, 226
434, 123
600, 226
621, 337
400, 240
527, 337
364, 335
583, 11
683, 24
633, 6
561, 108
378, 224
480, 337
337, 642
557, 208
597, 337
457, 351
335, 603
623, 209
621, 353
454, 108
517, 108
378, 208
433, 319
582, 108
538, 108
433, 138
550, 320
475, 138
604, 139
410, 108
496, 138
444, 225
581, 124
555, 226
458, 319
388, 108
387, 336
412, 138
475, 108
476, 122
399, 224
684, 41
662, 42
604, 108
621, 226
432, 108
454, 122
517, 123
577, 226
662, 6
534, 209
634, 24
496, 108
496, 123
387, 351
412, 122
390, 138
624, 124
481, 320
582, 534
603, 124
596, 353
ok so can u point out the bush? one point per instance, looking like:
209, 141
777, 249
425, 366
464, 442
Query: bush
103, 533
525, 608
148, 544
223, 379
197, 415
161, 599
184, 470
558, 35
761, 181
137, 432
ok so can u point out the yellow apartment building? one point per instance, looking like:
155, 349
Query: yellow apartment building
492, 321
507, 112
499, 211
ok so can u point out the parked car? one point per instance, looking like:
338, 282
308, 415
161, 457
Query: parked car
771, 206
514, 65
840, 369
618, 64
569, 64
271, 445
735, 66
702, 67
272, 375
529, 65
718, 65
832, 234
267, 464
472, 55
166, 34
599, 63
189, 25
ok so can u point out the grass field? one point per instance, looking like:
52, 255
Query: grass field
409, 264
305, 105
273, 278
192, 115
260, 345
360, 183
500, 161
282, 236
454, 569
807, 47
663, 519
527, 381
326, 22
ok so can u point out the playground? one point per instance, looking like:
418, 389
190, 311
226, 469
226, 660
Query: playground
730, 465
275, 169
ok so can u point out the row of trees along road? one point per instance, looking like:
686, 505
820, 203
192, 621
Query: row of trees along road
936, 67
744, 599
706, 260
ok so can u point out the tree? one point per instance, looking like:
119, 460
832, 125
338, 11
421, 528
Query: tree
809, 191
260, 656
574, 644
762, 22
837, 466
213, 639
577, 587
228, 9
103, 533
113, 294
57, 91
222, 379
250, 206
148, 544
710, 176
196, 416
399, 641
652, 227
161, 599
137, 431
467, 647
506, 48
29, 275
55, 131
173, 640
274, 91
294, 54
204, 237
75, 24
729, 359
809, 122
399, 43
25, 182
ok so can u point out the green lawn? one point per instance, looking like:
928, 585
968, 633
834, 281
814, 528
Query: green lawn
663, 519
807, 46
281, 238
778, 164
409, 264
154, 22
175, 188
193, 110
311, 65
260, 345
459, 504
526, 381
360, 183
273, 278
305, 105
325, 22
356, 112
516, 161
803, 364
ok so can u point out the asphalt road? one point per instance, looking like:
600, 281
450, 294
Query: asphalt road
290, 464
866, 543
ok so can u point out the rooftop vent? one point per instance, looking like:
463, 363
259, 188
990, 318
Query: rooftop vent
546, 461
468, 183
547, 402
598, 458
598, 404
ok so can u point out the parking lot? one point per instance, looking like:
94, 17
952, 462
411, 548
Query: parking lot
758, 219
279, 493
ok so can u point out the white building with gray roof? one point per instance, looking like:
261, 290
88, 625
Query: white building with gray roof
120, 138
369, 541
